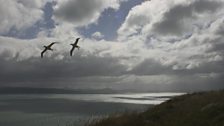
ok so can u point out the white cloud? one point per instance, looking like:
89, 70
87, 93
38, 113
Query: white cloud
64, 31
97, 35
19, 14
138, 17
173, 18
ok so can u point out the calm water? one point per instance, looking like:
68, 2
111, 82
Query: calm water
75, 109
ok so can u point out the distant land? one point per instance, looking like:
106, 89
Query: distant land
34, 90
197, 109
29, 90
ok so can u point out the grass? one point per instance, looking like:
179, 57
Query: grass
198, 109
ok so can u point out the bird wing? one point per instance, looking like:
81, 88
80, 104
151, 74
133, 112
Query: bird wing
72, 50
52, 44
77, 40
42, 53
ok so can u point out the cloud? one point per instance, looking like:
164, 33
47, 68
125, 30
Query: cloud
19, 14
187, 50
105, 64
169, 18
36, 69
189, 38
175, 21
82, 12
149, 54
135, 20
97, 35
21, 64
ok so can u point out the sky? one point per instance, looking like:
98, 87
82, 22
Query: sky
144, 45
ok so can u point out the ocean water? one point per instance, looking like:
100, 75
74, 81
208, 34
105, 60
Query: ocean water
72, 109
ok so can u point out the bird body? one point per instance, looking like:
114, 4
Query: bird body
74, 45
47, 48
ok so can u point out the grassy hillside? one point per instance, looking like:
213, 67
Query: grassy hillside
198, 109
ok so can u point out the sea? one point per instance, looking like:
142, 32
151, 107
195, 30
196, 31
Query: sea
72, 109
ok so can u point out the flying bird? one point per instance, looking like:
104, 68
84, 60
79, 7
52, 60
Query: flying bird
47, 48
74, 45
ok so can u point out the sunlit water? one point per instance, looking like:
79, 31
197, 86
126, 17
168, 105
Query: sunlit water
71, 109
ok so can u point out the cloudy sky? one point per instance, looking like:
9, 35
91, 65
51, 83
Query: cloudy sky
157, 45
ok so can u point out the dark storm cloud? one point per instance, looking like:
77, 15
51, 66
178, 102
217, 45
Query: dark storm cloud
217, 43
218, 47
152, 67
173, 22
149, 67
35, 69
197, 83
220, 30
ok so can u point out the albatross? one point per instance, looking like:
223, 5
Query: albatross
74, 45
47, 48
